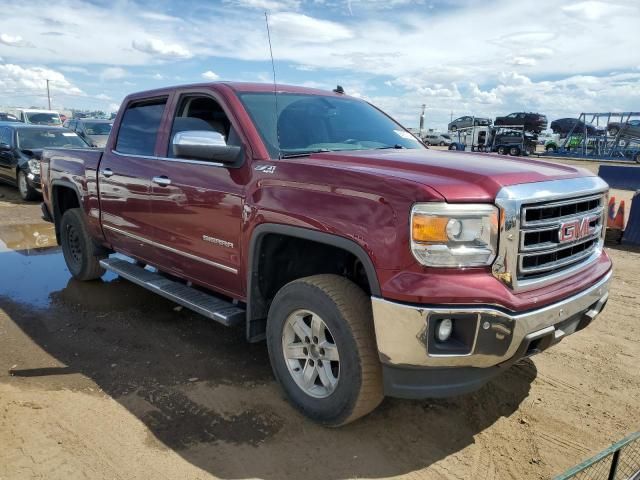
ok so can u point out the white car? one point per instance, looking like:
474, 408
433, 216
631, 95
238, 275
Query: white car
38, 117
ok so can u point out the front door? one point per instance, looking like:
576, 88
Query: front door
197, 205
125, 176
7, 157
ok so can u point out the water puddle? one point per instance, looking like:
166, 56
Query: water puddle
31, 264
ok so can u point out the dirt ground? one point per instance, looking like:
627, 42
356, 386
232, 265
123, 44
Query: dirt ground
104, 380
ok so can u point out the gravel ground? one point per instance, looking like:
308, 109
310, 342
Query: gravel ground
104, 380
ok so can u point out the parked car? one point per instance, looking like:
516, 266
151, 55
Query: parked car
467, 121
441, 139
632, 127
370, 264
20, 151
7, 117
506, 141
565, 126
38, 117
532, 122
94, 131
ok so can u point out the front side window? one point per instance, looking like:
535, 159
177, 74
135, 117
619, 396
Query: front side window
305, 124
43, 118
38, 138
139, 127
5, 136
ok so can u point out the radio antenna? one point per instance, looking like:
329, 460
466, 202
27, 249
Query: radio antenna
275, 88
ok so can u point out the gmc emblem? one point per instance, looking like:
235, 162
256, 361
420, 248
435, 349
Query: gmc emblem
576, 229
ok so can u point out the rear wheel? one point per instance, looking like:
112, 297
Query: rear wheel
514, 151
613, 132
502, 150
26, 191
80, 253
636, 158
322, 349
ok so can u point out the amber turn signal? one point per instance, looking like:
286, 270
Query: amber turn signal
429, 229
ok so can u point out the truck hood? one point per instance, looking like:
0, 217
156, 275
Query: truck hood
457, 176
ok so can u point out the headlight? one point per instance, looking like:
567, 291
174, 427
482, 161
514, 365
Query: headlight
454, 235
34, 166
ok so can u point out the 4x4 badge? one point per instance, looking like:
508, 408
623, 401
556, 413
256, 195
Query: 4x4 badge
265, 168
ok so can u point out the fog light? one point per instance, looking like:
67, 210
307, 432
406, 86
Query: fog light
444, 329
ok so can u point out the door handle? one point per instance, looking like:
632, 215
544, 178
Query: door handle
162, 180
107, 172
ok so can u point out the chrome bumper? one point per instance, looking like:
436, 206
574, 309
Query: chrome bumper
404, 337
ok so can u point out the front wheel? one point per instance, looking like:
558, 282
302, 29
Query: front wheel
322, 349
514, 151
502, 150
77, 247
27, 192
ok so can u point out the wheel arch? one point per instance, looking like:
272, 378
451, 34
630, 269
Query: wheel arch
58, 205
257, 304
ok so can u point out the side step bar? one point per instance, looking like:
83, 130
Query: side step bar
205, 304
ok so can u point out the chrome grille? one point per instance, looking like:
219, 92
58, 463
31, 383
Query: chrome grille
557, 235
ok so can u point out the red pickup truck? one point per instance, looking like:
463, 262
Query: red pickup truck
370, 264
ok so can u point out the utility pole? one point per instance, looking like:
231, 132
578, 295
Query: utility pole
48, 95
451, 117
422, 120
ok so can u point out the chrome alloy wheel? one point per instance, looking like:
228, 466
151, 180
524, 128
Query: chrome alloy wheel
310, 353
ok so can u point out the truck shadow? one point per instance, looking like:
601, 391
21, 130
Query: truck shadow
205, 393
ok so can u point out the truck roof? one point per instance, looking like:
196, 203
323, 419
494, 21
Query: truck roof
243, 87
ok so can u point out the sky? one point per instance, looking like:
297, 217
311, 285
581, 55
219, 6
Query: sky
457, 57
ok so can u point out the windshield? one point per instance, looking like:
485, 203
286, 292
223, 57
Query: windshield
97, 128
43, 118
313, 123
35, 138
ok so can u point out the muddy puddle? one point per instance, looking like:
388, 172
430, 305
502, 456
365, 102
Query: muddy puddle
32, 266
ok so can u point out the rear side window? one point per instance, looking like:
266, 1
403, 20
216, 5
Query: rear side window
139, 127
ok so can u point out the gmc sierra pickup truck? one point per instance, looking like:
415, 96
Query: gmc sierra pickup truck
370, 264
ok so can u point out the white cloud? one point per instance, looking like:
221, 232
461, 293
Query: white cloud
12, 41
103, 96
304, 29
160, 49
27, 85
268, 5
590, 10
113, 73
209, 75
74, 69
523, 61
158, 76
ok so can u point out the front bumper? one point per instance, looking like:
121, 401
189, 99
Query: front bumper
489, 337
33, 179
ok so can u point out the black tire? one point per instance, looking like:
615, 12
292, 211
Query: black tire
442, 144
551, 149
613, 132
501, 151
80, 253
636, 158
514, 151
453, 146
27, 193
346, 310
453, 128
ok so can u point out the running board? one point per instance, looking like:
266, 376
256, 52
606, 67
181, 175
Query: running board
205, 304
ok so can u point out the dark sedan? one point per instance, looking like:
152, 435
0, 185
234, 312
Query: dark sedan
632, 127
565, 126
467, 121
532, 122
21, 146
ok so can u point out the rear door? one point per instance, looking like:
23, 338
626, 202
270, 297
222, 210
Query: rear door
197, 205
125, 175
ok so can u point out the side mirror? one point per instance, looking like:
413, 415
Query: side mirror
204, 145
4, 147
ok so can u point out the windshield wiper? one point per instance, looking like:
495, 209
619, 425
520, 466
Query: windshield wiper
397, 146
304, 154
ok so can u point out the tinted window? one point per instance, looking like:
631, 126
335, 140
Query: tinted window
43, 118
139, 127
307, 123
97, 128
37, 138
5, 136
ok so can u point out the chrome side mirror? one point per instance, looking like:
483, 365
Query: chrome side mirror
204, 145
